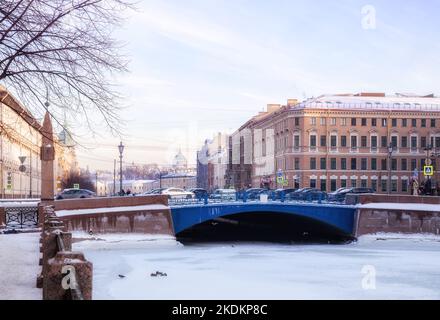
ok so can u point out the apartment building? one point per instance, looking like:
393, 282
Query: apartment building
344, 140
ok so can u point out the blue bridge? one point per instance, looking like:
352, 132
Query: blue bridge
290, 218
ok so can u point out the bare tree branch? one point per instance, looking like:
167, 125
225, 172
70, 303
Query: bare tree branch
64, 51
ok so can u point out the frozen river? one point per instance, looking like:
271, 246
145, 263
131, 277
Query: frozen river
375, 267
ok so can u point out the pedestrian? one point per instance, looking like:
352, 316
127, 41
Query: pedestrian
128, 192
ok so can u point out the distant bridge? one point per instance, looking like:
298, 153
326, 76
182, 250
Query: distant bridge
302, 217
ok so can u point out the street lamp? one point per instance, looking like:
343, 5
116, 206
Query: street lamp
428, 149
121, 150
390, 153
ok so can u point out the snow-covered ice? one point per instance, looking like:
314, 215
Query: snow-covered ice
19, 255
406, 267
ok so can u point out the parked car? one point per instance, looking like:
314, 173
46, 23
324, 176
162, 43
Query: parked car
224, 194
156, 191
254, 193
340, 196
279, 192
177, 193
308, 194
75, 194
296, 195
199, 193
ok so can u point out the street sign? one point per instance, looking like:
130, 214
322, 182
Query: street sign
280, 180
428, 170
22, 168
280, 173
76, 186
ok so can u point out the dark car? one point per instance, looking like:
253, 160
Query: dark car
75, 194
279, 192
296, 195
200, 193
254, 193
340, 196
313, 195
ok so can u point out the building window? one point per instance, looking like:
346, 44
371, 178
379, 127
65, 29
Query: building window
343, 141
404, 122
422, 163
343, 121
343, 183
332, 184
333, 141
364, 183
312, 163
333, 121
374, 184
364, 164
422, 142
437, 142
423, 123
353, 142
384, 122
313, 141
323, 141
404, 164
414, 143
374, 142
384, 164
394, 142
394, 122
343, 164
323, 163
432, 123
353, 183
353, 164
383, 142
364, 122
297, 167
404, 142
413, 164
374, 122
373, 164
296, 121
383, 184
322, 121
313, 121
296, 141
353, 122
394, 164
333, 164
404, 185
394, 185
364, 141
323, 185
413, 123
312, 183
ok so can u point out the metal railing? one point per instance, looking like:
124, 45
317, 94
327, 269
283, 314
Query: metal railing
21, 217
319, 198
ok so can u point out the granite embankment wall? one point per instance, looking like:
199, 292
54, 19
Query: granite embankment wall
144, 214
397, 214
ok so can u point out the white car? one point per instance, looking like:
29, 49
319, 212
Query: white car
177, 193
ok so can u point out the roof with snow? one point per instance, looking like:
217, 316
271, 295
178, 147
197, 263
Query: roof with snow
373, 101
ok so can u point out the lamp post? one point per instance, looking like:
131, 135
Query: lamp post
390, 153
428, 149
121, 150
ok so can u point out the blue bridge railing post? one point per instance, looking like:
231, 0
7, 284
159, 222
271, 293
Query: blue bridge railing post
283, 196
205, 199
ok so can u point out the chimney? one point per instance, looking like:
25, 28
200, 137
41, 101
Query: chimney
273, 107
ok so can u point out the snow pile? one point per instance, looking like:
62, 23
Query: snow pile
63, 213
401, 206
19, 255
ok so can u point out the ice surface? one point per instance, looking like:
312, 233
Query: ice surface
407, 267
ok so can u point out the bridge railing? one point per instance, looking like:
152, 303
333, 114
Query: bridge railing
242, 198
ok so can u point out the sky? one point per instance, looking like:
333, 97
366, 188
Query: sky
198, 67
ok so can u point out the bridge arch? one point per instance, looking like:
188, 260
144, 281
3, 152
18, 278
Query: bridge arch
283, 218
